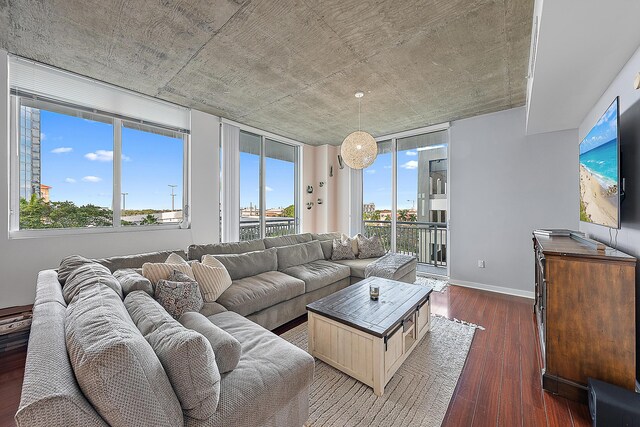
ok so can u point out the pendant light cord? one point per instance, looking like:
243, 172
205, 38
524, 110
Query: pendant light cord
359, 104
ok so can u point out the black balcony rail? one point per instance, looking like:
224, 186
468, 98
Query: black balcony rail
250, 230
427, 241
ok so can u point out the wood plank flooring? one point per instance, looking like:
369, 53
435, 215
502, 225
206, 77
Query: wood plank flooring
499, 385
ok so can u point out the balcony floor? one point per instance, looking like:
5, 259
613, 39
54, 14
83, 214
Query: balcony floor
431, 270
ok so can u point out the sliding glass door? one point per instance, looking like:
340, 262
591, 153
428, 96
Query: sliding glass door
268, 187
408, 181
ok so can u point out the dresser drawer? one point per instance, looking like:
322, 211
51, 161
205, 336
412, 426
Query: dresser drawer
424, 316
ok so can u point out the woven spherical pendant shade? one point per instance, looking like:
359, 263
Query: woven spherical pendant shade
359, 150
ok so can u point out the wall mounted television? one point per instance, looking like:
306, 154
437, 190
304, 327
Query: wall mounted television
600, 171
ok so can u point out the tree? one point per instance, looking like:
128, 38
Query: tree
289, 212
149, 219
403, 215
37, 213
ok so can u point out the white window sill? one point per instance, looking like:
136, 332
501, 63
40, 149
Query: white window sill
57, 232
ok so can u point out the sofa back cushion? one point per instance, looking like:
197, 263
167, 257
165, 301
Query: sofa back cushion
226, 348
50, 394
186, 356
288, 240
131, 280
326, 241
302, 253
69, 264
136, 261
86, 275
196, 252
249, 264
114, 365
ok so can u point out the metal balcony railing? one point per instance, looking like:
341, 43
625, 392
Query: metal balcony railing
427, 241
250, 230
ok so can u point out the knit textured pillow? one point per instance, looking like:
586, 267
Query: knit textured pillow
161, 271
370, 247
342, 249
178, 297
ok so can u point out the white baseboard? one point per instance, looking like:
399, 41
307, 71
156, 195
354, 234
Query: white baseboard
492, 288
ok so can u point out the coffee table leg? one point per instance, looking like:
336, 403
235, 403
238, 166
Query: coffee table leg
378, 366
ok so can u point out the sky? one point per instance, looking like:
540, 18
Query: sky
279, 182
377, 181
77, 162
604, 131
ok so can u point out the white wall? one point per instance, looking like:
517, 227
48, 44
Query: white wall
503, 186
21, 259
622, 86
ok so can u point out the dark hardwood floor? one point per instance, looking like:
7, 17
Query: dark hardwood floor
499, 385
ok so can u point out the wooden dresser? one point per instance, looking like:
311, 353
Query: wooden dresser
585, 310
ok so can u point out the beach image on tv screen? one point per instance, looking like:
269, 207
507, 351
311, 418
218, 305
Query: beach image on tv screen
599, 202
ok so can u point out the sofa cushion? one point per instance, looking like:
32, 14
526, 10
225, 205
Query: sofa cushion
288, 240
369, 247
177, 295
130, 280
115, 366
251, 294
186, 355
70, 263
357, 266
212, 277
211, 308
270, 373
86, 275
248, 264
226, 348
318, 274
196, 252
342, 249
326, 241
136, 261
302, 253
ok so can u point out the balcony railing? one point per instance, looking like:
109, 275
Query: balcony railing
250, 230
427, 241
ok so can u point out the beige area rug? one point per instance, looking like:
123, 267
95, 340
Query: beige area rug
417, 395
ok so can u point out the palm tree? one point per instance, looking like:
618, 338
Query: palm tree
149, 219
403, 215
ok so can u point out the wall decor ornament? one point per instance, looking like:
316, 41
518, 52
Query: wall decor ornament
359, 149
319, 201
309, 189
309, 205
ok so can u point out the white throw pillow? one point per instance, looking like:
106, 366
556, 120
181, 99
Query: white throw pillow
353, 241
212, 276
161, 271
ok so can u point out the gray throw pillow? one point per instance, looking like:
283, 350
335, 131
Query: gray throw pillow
187, 356
115, 366
249, 264
86, 275
70, 263
226, 348
131, 280
342, 249
178, 297
302, 253
370, 247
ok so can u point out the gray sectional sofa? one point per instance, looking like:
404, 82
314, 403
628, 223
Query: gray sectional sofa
272, 282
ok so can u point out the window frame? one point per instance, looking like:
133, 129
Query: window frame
117, 122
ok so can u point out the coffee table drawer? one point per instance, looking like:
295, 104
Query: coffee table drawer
424, 317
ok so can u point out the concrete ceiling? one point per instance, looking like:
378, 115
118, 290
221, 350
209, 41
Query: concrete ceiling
291, 67
580, 51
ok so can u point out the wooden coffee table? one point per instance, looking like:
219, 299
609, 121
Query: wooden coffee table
369, 340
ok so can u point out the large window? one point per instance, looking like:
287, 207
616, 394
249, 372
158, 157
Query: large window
80, 169
405, 196
268, 187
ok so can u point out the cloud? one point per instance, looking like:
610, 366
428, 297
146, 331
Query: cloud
43, 136
91, 178
104, 156
70, 180
61, 150
411, 164
370, 171
411, 153
267, 188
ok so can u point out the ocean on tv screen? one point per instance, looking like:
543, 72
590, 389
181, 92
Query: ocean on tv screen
599, 165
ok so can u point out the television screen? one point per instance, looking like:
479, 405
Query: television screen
600, 171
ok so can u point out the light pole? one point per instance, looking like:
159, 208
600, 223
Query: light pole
413, 203
173, 196
124, 201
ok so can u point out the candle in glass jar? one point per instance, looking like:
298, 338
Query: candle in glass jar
374, 291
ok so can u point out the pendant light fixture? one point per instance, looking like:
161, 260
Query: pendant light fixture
359, 149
